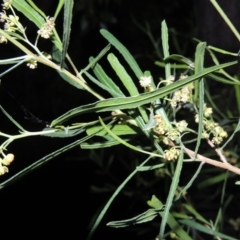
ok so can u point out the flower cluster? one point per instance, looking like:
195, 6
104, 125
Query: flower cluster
161, 126
169, 134
171, 154
47, 29
4, 162
211, 127
183, 95
32, 64
11, 22
174, 134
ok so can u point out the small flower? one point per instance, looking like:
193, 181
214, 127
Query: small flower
3, 16
207, 111
8, 159
205, 135
47, 55
2, 39
173, 134
47, 28
181, 126
32, 64
217, 140
13, 20
210, 125
161, 127
145, 81
173, 103
6, 4
223, 134
185, 98
171, 154
196, 118
166, 140
3, 170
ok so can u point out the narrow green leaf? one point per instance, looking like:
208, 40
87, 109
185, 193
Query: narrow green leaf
67, 21
122, 74
34, 6
108, 82
182, 59
165, 49
175, 66
190, 182
12, 120
199, 91
212, 180
93, 61
100, 145
223, 51
173, 224
221, 79
232, 136
133, 102
123, 50
59, 7
171, 194
118, 129
124, 142
193, 224
68, 79
150, 168
191, 210
99, 84
23, 7
147, 216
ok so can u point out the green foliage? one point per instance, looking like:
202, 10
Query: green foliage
160, 134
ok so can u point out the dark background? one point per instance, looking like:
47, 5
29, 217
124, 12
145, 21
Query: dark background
56, 200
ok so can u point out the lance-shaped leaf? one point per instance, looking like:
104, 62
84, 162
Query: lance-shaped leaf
147, 216
136, 101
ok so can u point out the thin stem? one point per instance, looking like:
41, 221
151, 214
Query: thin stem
226, 19
72, 65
